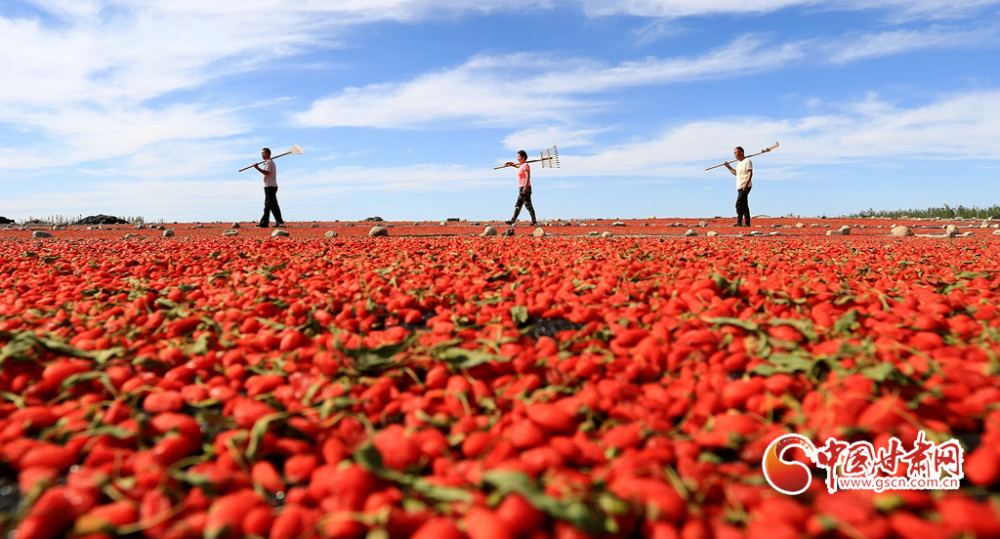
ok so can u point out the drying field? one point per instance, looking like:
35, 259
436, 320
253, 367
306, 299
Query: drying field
439, 384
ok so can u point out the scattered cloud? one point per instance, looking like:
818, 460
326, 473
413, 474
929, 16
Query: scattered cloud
90, 76
897, 9
129, 95
684, 8
543, 137
900, 11
474, 92
546, 89
955, 127
541, 88
865, 47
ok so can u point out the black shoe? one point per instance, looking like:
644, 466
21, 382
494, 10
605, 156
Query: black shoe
261, 226
737, 224
533, 223
509, 222
279, 225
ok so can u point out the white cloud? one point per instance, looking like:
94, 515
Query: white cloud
898, 9
684, 8
413, 178
78, 133
870, 132
150, 199
864, 47
543, 137
955, 127
501, 90
472, 92
746, 54
98, 79
89, 77
907, 10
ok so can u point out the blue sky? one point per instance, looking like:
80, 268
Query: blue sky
405, 106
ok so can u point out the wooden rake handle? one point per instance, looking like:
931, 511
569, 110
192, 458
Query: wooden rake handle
505, 165
765, 150
259, 162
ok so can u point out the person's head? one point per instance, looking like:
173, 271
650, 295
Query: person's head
522, 156
265, 153
738, 152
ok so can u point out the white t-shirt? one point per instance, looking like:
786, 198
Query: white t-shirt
271, 178
742, 172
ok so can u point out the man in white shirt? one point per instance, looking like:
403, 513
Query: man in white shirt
270, 173
744, 175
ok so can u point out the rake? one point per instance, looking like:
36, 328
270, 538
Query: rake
295, 150
549, 159
765, 150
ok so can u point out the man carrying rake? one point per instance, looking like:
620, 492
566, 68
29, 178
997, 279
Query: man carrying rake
270, 173
523, 187
744, 175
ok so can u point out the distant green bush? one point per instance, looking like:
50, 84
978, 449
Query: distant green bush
943, 212
68, 220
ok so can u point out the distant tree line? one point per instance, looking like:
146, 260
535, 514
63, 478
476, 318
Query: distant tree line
67, 220
942, 212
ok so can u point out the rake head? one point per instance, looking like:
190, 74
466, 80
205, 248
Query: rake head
549, 158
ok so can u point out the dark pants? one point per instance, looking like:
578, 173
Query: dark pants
742, 205
271, 206
524, 199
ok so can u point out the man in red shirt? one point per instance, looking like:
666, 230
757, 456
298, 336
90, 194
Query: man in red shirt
523, 187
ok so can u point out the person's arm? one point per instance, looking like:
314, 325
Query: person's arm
527, 176
731, 169
749, 183
262, 171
